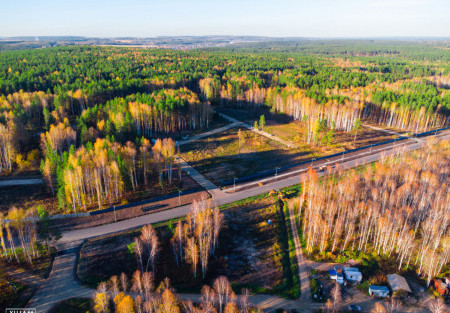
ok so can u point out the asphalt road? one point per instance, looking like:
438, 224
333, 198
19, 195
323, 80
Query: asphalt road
284, 180
21, 182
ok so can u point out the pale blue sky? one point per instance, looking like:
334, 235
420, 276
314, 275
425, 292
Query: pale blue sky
139, 18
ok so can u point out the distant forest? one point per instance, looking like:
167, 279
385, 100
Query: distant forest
86, 115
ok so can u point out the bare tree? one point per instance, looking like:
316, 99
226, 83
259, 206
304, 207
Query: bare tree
223, 291
188, 306
124, 282
138, 249
113, 286
336, 297
393, 306
192, 254
207, 299
137, 286
218, 221
244, 305
138, 304
154, 245
179, 238
437, 305
148, 284
102, 287
147, 233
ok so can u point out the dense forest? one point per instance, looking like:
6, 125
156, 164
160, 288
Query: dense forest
398, 207
91, 116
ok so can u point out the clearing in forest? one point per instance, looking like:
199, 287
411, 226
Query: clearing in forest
224, 156
251, 253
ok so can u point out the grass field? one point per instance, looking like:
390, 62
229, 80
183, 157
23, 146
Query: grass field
223, 156
286, 128
220, 157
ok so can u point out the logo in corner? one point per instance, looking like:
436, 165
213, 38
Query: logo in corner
20, 310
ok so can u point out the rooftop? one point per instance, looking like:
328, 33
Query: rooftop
379, 288
398, 283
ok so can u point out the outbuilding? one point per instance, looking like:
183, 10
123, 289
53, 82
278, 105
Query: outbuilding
352, 275
379, 291
398, 285
333, 274
339, 275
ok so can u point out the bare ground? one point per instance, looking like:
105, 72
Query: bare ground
246, 253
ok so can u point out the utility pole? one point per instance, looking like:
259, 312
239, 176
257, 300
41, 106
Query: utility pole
276, 173
234, 185
179, 197
115, 217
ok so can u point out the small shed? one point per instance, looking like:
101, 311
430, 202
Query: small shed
398, 284
333, 274
339, 275
352, 274
379, 291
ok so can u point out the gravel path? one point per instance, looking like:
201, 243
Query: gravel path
209, 133
302, 262
61, 283
261, 132
199, 178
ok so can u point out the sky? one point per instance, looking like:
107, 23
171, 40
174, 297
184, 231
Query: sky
280, 18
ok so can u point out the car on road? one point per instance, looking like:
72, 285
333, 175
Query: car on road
185, 137
354, 308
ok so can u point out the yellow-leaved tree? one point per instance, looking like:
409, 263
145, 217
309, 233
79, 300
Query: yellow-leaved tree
126, 305
169, 303
101, 302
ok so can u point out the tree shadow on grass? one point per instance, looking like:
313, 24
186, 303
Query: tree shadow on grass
250, 115
220, 169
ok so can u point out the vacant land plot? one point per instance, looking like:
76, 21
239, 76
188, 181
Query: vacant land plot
27, 196
286, 128
224, 156
252, 253
215, 122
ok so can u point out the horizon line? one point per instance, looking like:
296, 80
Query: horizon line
236, 36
